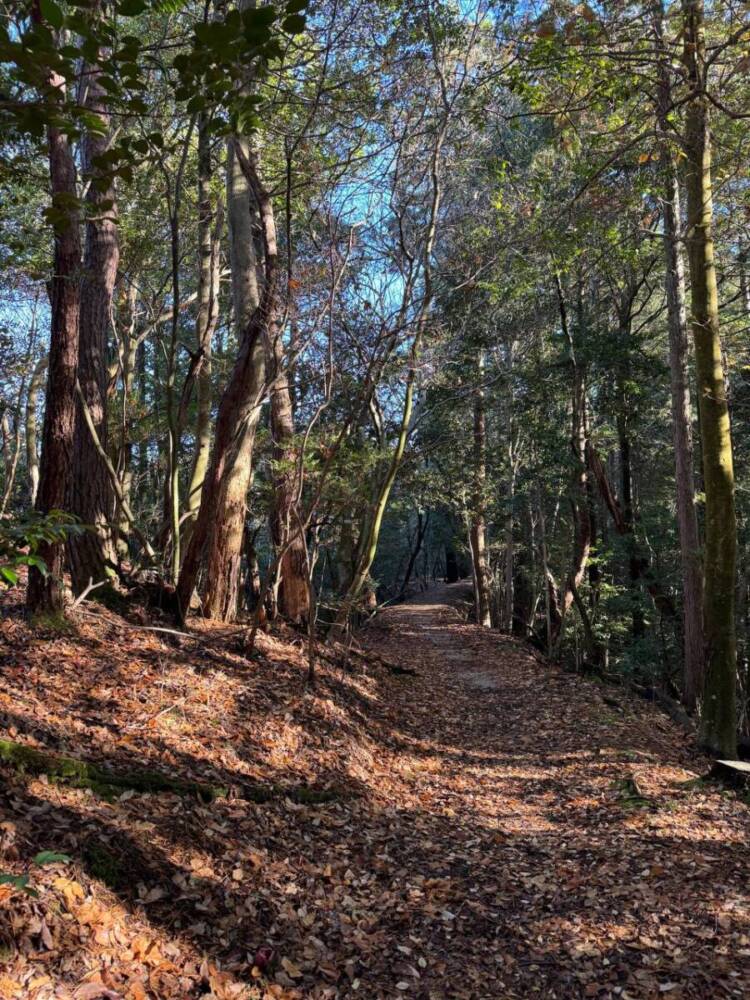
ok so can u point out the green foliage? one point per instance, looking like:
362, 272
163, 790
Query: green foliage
21, 538
21, 882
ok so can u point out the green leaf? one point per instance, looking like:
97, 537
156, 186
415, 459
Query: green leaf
9, 576
50, 857
19, 882
51, 13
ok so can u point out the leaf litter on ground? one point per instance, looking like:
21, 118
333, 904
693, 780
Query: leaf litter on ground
495, 830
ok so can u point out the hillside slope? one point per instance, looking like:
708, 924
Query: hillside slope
478, 826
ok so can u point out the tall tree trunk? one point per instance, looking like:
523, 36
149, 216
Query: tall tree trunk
560, 606
293, 597
626, 495
478, 529
226, 531
238, 410
92, 554
45, 592
206, 319
718, 723
687, 517
509, 554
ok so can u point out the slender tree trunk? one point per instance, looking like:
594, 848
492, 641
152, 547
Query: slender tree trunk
578, 497
225, 533
742, 261
718, 723
32, 405
252, 579
509, 555
293, 591
206, 319
682, 420
626, 494
45, 592
92, 554
687, 518
478, 528
422, 525
369, 541
11, 453
345, 554
549, 591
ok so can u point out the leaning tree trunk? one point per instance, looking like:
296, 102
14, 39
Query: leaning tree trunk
45, 592
719, 723
687, 518
224, 542
92, 554
478, 527
238, 410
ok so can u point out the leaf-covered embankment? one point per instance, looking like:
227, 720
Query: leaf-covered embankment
499, 828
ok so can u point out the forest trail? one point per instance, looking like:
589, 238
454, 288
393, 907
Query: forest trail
583, 859
498, 829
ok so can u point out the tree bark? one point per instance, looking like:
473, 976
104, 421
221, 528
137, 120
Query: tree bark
718, 723
478, 528
293, 597
92, 554
45, 592
238, 410
32, 404
206, 319
560, 606
225, 532
687, 517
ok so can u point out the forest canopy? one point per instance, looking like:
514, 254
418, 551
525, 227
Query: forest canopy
305, 306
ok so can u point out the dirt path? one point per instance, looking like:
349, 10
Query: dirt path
552, 874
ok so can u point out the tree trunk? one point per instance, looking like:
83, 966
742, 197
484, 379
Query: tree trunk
223, 494
718, 724
252, 578
206, 319
687, 518
626, 494
478, 529
32, 405
226, 530
292, 595
578, 497
92, 553
422, 524
45, 592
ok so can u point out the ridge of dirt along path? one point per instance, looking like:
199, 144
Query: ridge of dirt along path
566, 852
498, 828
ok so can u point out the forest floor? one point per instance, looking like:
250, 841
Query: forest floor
497, 828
